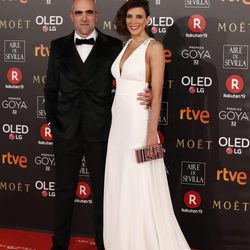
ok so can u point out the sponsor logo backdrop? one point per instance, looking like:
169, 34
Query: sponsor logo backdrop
204, 122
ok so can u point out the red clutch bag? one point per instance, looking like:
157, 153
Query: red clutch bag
142, 154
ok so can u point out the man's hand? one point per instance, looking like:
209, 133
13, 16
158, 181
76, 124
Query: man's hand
145, 98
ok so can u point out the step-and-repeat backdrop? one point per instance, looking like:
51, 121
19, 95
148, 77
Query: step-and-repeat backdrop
204, 121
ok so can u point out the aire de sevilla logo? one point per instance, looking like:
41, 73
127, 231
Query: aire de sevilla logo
196, 23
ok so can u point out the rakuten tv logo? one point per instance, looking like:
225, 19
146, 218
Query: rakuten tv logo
83, 190
235, 85
15, 132
197, 23
228, 176
196, 84
198, 115
46, 135
14, 160
234, 145
14, 77
192, 200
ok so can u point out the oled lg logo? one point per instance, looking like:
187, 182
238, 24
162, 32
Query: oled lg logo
197, 3
192, 200
83, 192
235, 56
235, 85
196, 84
47, 188
46, 135
232, 176
14, 50
234, 116
197, 24
49, 23
197, 115
196, 54
15, 132
14, 76
14, 104
234, 145
160, 24
14, 160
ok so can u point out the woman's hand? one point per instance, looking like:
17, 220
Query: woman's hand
152, 142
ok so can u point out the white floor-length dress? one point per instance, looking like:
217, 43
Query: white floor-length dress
138, 212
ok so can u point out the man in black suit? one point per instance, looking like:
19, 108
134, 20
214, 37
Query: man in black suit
78, 102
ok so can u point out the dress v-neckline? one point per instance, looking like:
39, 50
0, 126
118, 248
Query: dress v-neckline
121, 68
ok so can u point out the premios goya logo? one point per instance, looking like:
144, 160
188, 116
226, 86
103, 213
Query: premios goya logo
234, 116
196, 54
14, 104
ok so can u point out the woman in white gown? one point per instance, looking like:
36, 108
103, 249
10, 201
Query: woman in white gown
138, 212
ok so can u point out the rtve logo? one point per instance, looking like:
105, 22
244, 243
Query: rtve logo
83, 190
245, 2
15, 160
231, 176
191, 114
196, 23
20, 1
192, 199
42, 50
235, 84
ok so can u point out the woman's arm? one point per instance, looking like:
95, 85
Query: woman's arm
156, 62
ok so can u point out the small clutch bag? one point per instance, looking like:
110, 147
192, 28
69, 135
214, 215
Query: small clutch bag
142, 154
